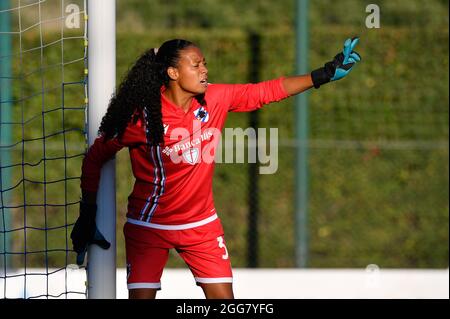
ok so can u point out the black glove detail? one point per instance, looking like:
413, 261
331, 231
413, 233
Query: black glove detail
85, 232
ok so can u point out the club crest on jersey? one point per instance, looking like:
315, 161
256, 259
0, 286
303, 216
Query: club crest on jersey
201, 114
191, 155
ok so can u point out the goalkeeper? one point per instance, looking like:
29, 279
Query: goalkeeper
171, 205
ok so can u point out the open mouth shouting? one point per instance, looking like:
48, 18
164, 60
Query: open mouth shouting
204, 82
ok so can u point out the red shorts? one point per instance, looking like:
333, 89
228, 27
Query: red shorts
202, 248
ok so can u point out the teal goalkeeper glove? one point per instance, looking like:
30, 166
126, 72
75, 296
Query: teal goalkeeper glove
341, 65
85, 232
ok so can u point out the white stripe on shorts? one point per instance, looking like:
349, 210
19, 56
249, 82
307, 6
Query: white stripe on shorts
213, 280
173, 227
139, 285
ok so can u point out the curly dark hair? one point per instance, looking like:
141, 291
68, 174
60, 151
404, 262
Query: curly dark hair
140, 91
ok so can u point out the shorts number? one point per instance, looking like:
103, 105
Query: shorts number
222, 245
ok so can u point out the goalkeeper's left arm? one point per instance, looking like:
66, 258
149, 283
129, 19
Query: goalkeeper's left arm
334, 70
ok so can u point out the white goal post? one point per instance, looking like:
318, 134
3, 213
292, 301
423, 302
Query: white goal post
101, 84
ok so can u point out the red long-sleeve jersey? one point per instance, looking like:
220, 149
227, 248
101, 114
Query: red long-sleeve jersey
173, 182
